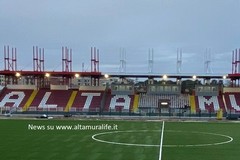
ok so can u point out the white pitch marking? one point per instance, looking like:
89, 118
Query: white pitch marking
161, 142
94, 137
125, 144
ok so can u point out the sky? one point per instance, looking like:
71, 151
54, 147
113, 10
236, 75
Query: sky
165, 26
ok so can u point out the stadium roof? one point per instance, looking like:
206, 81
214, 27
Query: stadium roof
52, 73
121, 75
160, 75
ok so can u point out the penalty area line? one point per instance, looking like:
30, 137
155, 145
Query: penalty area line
161, 142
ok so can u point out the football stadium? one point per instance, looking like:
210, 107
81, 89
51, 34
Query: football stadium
93, 115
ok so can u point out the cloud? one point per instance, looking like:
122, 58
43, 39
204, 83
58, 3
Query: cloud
136, 25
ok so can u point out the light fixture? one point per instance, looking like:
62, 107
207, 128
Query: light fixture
77, 75
106, 75
164, 103
194, 77
165, 77
47, 75
17, 74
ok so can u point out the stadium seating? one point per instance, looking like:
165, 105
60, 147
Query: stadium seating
177, 101
50, 99
14, 98
65, 100
96, 100
209, 103
88, 100
118, 103
232, 101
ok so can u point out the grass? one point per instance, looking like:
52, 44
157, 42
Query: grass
19, 140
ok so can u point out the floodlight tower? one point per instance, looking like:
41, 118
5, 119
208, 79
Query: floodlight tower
95, 66
66, 64
207, 61
179, 64
10, 64
150, 60
236, 61
207, 65
38, 66
122, 60
66, 59
179, 60
94, 59
38, 59
236, 66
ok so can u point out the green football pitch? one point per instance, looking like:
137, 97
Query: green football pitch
118, 140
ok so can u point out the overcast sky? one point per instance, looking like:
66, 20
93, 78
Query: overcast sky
135, 25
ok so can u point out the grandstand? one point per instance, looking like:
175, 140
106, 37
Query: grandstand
58, 92
102, 100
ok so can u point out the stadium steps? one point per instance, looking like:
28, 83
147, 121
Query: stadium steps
224, 102
103, 101
192, 104
70, 101
30, 100
2, 92
135, 103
